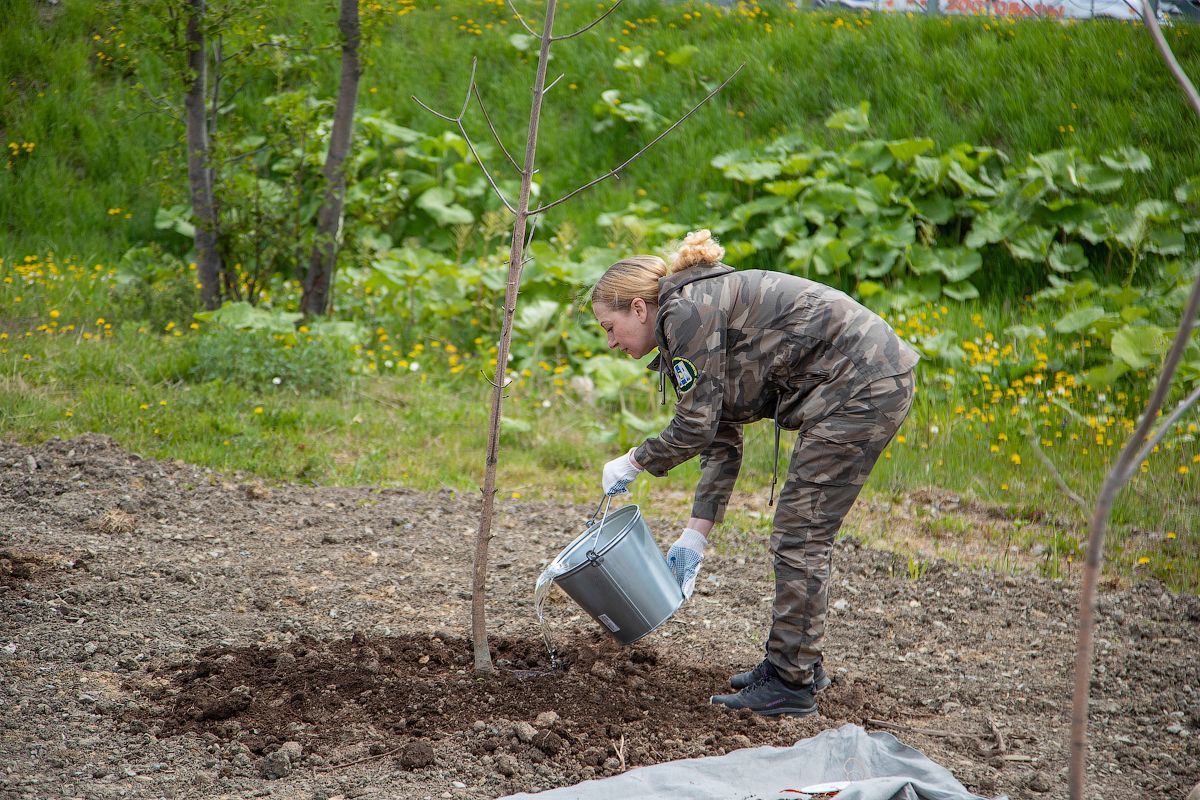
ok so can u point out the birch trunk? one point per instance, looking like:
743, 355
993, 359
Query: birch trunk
208, 257
483, 656
319, 279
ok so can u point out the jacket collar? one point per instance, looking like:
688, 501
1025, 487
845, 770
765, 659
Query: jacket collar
672, 283
666, 288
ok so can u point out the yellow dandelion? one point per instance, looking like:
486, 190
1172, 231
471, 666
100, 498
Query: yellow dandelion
258, 409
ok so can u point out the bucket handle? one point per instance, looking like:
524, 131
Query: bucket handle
606, 503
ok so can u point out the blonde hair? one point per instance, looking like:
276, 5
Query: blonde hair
638, 276
698, 247
627, 279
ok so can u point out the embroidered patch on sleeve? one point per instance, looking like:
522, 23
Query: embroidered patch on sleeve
685, 374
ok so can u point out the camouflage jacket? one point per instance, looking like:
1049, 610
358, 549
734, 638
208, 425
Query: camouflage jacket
741, 346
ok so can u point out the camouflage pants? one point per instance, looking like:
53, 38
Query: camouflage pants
829, 465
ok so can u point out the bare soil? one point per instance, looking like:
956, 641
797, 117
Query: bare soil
166, 631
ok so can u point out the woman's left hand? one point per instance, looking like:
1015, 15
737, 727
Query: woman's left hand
619, 473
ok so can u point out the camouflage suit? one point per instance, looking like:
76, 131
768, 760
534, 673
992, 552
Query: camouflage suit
750, 345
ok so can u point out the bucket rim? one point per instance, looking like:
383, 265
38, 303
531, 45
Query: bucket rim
613, 542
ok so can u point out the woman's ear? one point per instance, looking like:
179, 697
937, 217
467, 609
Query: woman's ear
639, 309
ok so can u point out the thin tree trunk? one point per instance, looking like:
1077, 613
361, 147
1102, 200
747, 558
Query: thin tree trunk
1136, 448
483, 656
319, 280
208, 258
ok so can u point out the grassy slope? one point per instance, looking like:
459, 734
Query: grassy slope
1012, 85
1009, 85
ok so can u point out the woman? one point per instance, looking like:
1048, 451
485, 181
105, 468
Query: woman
740, 346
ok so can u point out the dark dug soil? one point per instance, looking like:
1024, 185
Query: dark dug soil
170, 632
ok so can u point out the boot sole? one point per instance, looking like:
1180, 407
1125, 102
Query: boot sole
781, 711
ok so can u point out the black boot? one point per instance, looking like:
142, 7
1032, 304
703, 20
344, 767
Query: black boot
764, 670
771, 697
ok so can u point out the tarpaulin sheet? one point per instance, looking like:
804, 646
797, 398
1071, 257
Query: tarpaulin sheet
879, 766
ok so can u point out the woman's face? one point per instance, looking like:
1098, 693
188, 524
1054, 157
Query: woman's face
631, 330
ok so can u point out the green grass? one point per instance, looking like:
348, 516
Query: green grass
100, 146
430, 434
101, 165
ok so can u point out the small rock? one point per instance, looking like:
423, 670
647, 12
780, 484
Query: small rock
840, 605
1176, 729
603, 671
276, 765
416, 755
294, 750
506, 765
1038, 783
546, 719
524, 731
459, 785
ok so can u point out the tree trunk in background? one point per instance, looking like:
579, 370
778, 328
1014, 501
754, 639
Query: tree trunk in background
208, 258
319, 279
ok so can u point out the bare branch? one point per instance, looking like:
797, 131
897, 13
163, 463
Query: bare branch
587, 27
1055, 474
467, 137
521, 20
483, 166
613, 173
495, 135
438, 114
1166, 426
470, 86
551, 86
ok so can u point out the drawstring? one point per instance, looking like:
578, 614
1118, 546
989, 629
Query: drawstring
775, 461
662, 385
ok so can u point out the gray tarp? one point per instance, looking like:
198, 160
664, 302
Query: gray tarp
880, 766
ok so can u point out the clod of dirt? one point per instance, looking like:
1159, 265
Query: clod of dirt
548, 742
416, 755
237, 701
116, 521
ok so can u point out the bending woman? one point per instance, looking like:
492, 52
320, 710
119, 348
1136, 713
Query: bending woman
740, 346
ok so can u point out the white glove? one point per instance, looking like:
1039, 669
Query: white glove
685, 557
619, 473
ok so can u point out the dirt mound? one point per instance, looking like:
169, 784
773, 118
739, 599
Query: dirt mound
224, 637
601, 710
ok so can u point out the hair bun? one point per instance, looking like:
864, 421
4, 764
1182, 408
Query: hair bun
699, 247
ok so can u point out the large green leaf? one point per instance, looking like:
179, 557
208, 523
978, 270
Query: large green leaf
1078, 320
1067, 258
1107, 375
992, 226
907, 149
1099, 179
634, 58
851, 120
682, 56
969, 184
1126, 345
439, 203
961, 291
1030, 243
1127, 159
243, 316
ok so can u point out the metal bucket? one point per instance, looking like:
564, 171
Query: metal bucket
616, 573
